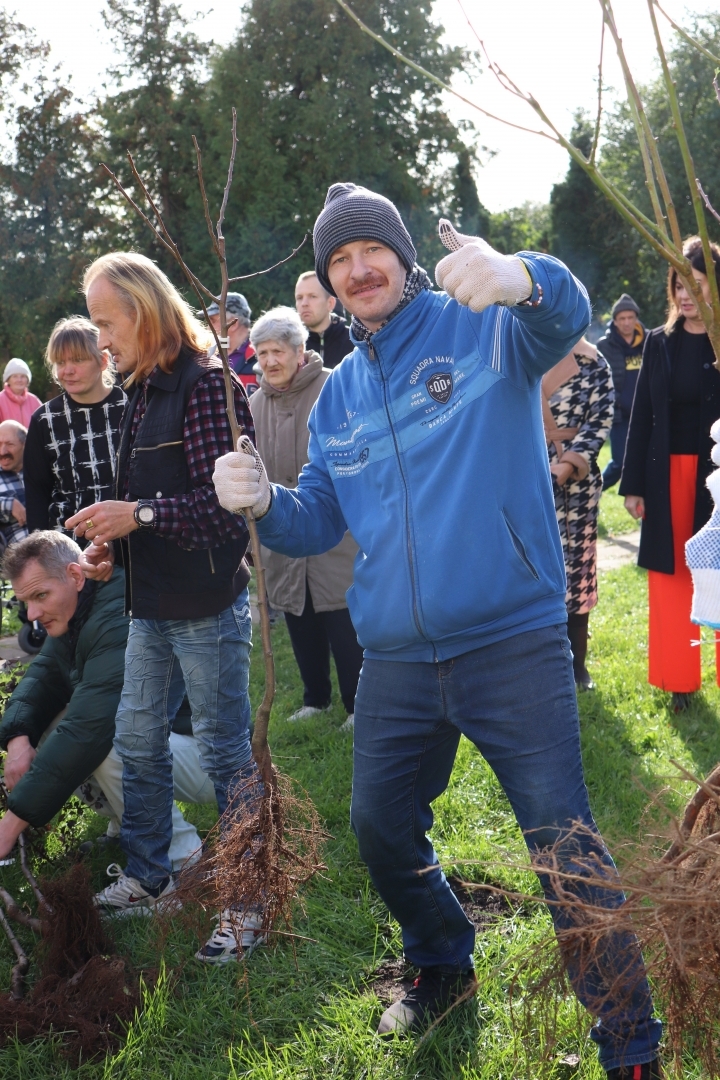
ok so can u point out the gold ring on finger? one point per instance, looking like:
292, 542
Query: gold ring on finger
90, 524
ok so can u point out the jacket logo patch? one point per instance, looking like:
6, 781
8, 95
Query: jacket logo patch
440, 386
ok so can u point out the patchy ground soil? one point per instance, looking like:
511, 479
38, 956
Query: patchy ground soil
392, 979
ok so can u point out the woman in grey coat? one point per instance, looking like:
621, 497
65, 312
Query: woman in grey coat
310, 591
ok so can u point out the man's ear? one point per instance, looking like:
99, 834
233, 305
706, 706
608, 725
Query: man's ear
77, 575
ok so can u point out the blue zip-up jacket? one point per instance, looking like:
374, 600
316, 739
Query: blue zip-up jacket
428, 446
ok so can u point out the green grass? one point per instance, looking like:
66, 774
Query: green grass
310, 1016
614, 518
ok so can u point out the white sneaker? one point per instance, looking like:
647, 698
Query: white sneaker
349, 723
305, 713
238, 934
126, 896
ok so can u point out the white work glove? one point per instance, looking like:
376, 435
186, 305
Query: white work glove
476, 275
241, 482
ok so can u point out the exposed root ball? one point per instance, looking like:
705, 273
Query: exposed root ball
260, 855
83, 995
671, 906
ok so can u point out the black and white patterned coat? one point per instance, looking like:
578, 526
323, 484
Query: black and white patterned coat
70, 457
586, 402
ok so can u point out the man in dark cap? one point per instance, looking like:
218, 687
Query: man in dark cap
428, 444
622, 347
241, 354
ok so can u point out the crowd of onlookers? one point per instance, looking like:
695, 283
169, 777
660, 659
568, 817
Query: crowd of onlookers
73, 723
124, 432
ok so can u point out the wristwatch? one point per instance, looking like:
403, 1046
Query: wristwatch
145, 514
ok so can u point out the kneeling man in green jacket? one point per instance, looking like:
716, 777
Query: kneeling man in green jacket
59, 723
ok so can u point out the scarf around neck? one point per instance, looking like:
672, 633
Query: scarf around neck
415, 283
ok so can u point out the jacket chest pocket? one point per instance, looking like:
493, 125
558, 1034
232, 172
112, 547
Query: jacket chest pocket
158, 472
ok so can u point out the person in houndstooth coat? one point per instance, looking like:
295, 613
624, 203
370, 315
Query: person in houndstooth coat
578, 402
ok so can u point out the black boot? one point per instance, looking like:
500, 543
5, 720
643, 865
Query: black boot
578, 634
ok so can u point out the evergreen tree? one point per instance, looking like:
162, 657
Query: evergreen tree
588, 234
319, 102
155, 116
18, 46
469, 214
50, 221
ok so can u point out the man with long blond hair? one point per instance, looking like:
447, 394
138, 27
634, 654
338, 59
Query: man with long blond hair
186, 579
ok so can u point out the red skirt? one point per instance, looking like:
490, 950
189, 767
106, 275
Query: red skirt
673, 661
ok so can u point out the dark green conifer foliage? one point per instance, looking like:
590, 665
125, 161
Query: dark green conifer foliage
319, 102
50, 222
155, 116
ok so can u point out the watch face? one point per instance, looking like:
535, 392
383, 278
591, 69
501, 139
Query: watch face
146, 515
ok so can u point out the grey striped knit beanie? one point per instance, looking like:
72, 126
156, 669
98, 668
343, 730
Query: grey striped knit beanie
625, 303
354, 213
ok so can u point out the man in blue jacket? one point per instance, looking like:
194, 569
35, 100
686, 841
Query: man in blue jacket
427, 444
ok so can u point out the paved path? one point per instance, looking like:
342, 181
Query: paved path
616, 551
10, 650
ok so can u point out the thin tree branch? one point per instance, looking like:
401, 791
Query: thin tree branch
598, 118
19, 971
257, 273
434, 78
646, 140
231, 169
16, 913
710, 314
684, 34
206, 207
158, 235
709, 205
25, 867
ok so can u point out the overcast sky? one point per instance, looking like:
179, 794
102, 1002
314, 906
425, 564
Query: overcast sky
550, 47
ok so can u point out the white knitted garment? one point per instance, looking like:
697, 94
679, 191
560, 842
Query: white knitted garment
476, 275
702, 554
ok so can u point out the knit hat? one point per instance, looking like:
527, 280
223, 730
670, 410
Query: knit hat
625, 303
354, 213
16, 367
235, 304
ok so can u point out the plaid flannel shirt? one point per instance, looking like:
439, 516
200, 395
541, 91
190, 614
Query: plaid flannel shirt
11, 488
196, 519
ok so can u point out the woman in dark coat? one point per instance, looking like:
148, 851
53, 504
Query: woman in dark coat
667, 462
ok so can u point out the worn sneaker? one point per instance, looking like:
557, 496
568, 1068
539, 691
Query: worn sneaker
237, 935
126, 896
651, 1070
305, 713
349, 723
432, 994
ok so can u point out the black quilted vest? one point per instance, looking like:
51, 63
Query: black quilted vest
163, 580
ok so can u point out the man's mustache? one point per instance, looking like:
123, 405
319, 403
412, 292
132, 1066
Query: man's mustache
362, 283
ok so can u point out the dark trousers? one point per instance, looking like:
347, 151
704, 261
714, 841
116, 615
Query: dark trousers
313, 635
618, 438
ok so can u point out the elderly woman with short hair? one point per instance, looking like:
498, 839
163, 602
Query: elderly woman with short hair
311, 591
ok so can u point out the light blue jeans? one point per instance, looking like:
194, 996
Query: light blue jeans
210, 660
515, 700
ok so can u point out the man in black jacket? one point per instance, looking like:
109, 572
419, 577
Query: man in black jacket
186, 579
622, 347
329, 334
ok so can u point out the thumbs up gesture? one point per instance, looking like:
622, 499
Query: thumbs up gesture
476, 275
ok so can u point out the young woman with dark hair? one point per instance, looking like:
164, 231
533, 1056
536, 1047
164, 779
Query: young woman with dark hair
667, 462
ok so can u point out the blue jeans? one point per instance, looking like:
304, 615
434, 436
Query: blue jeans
210, 659
618, 437
515, 700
